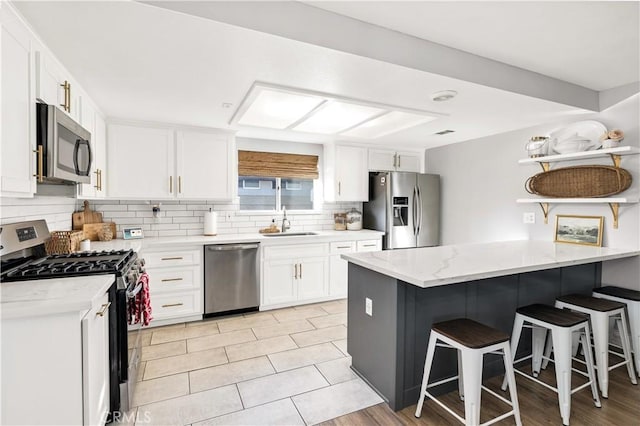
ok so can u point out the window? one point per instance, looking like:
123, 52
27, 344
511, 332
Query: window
265, 193
271, 181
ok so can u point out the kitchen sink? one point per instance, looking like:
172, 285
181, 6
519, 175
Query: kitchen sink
290, 234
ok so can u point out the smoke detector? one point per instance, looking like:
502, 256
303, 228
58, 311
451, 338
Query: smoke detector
443, 95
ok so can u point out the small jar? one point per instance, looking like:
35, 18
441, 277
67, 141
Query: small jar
340, 221
354, 220
538, 146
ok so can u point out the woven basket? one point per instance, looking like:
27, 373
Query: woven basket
580, 182
63, 242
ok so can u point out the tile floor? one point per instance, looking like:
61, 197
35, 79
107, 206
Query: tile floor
283, 367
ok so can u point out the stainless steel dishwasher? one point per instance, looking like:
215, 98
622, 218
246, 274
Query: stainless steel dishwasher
231, 278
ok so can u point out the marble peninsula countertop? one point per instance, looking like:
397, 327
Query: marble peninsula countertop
26, 299
435, 266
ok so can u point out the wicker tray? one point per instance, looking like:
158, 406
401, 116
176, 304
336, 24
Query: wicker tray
63, 242
580, 182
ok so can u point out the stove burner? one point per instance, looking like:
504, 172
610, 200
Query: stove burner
73, 264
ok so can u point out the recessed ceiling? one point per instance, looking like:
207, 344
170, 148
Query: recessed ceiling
164, 66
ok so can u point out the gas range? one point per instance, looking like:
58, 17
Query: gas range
69, 265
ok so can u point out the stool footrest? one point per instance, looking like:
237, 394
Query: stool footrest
462, 420
442, 382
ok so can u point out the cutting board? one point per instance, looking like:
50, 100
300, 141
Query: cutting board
91, 230
85, 217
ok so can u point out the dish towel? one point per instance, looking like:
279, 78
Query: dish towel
140, 308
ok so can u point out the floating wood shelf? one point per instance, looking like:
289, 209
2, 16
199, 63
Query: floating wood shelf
614, 204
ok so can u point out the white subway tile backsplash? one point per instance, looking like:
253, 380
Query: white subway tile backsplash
176, 218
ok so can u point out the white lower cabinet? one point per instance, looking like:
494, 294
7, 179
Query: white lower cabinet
95, 363
55, 367
175, 284
294, 274
304, 273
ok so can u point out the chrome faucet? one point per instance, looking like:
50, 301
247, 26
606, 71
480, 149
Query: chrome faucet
285, 222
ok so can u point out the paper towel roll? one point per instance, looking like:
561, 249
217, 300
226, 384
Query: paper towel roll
210, 223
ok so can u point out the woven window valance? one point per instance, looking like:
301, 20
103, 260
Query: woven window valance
273, 164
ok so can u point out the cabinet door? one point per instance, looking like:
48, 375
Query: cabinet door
17, 109
408, 162
352, 177
100, 142
95, 363
141, 162
312, 278
280, 283
382, 160
87, 120
50, 78
204, 165
338, 276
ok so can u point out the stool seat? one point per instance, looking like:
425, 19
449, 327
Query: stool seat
590, 302
622, 293
552, 315
470, 333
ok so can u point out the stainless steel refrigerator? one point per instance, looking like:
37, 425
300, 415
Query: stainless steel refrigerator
406, 207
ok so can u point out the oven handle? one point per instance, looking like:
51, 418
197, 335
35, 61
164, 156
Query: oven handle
132, 294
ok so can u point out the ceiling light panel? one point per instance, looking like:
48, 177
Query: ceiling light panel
278, 110
337, 116
386, 124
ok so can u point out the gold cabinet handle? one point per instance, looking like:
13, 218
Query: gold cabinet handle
67, 96
171, 305
301, 271
102, 311
395, 157
171, 279
97, 185
40, 174
172, 258
368, 245
399, 156
342, 247
179, 184
339, 188
100, 179
171, 184
296, 274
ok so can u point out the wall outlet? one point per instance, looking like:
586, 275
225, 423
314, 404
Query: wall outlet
368, 306
529, 217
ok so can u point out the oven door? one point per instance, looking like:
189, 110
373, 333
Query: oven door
131, 342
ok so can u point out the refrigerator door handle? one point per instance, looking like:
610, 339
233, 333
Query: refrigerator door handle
419, 209
414, 210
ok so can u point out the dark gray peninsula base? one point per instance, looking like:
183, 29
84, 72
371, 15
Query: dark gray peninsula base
389, 347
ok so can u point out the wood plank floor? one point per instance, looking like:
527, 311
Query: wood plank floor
538, 406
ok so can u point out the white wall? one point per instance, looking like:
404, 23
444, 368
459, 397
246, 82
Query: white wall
481, 180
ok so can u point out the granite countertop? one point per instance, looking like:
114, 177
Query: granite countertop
434, 266
23, 299
158, 242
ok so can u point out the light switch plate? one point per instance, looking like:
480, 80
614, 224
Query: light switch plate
132, 233
368, 306
529, 217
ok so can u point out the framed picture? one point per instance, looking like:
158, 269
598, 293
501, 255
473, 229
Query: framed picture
585, 230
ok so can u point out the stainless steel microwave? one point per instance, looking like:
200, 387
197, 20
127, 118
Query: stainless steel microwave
64, 147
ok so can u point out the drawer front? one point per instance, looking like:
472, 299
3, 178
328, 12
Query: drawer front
369, 245
179, 304
295, 251
172, 258
343, 247
171, 279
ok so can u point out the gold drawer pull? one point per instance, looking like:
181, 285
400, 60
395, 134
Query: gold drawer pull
341, 247
172, 305
171, 279
368, 245
40, 174
172, 258
103, 310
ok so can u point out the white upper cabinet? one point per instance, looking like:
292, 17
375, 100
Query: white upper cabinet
204, 165
141, 162
165, 163
91, 120
346, 173
54, 85
17, 159
399, 161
